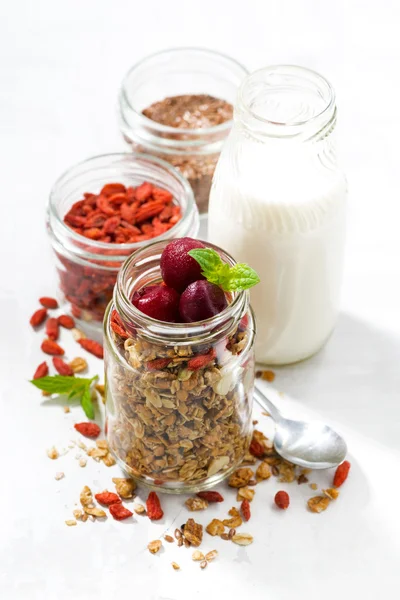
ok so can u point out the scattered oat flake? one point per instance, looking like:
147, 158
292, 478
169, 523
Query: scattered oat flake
82, 462
313, 486
70, 522
154, 546
67, 409
78, 364
268, 376
59, 475
211, 555
245, 493
331, 493
197, 555
53, 453
242, 539
318, 504
175, 566
77, 334
265, 413
95, 512
86, 497
78, 514
139, 509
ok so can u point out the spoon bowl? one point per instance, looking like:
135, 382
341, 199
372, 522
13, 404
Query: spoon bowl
309, 444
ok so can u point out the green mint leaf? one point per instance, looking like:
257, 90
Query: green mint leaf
58, 384
87, 404
240, 277
230, 279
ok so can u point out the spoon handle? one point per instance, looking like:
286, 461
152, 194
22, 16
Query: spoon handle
266, 404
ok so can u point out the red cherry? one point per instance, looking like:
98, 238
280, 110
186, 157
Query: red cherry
201, 300
159, 302
178, 269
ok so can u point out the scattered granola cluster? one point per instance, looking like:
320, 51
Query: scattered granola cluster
179, 414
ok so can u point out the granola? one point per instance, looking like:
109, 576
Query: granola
196, 503
193, 532
177, 424
216, 527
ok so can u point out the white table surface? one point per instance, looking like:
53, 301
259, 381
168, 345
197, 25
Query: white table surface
61, 64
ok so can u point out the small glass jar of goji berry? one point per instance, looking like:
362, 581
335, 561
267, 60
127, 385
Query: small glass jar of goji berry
102, 210
178, 395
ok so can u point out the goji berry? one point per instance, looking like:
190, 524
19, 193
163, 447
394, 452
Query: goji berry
210, 496
153, 506
119, 330
341, 473
282, 500
119, 512
256, 449
48, 302
157, 363
245, 508
51, 347
41, 371
90, 430
52, 328
107, 498
66, 321
199, 362
92, 346
144, 191
62, 367
38, 317
112, 188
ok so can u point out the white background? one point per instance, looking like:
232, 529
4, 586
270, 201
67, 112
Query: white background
61, 65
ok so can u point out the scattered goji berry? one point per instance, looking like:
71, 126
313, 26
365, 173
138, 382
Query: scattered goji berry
41, 371
210, 496
119, 512
153, 506
92, 346
48, 302
107, 498
90, 430
282, 500
341, 473
51, 347
38, 317
66, 321
52, 328
62, 367
157, 363
200, 361
245, 508
256, 449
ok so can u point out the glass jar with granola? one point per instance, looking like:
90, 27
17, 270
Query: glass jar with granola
179, 394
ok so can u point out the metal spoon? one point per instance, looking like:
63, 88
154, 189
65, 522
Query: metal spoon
312, 444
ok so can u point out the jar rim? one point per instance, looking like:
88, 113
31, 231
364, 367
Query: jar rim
282, 128
95, 162
202, 328
168, 129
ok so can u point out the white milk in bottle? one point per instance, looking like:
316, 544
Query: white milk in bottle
278, 203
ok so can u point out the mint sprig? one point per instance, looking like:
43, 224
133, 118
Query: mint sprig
75, 387
231, 279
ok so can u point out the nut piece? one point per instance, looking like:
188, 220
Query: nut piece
332, 493
196, 503
216, 527
125, 487
78, 364
52, 453
139, 509
245, 493
197, 555
175, 566
240, 478
242, 539
154, 546
193, 532
211, 555
168, 538
263, 471
236, 520
70, 522
318, 504
59, 475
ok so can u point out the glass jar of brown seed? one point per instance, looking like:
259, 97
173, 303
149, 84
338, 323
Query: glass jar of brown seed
178, 105
178, 395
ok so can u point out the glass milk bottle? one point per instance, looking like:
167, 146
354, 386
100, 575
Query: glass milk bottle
278, 202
